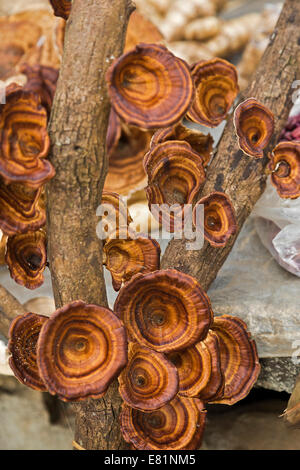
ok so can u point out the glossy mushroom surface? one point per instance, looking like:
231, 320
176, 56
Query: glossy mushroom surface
285, 167
149, 381
81, 349
26, 258
62, 8
254, 125
219, 218
149, 87
179, 425
165, 310
23, 335
239, 358
216, 83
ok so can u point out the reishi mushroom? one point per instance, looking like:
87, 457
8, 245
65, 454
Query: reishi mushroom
80, 350
23, 335
239, 358
285, 167
216, 83
141, 29
219, 218
26, 258
117, 212
175, 174
165, 310
126, 254
24, 139
62, 8
149, 381
149, 87
179, 425
254, 125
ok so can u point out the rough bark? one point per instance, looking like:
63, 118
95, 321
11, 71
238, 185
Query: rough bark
95, 35
10, 308
241, 177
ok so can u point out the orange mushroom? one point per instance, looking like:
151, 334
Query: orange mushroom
113, 131
20, 208
239, 359
149, 87
216, 83
126, 254
26, 258
254, 125
23, 335
175, 174
80, 350
165, 310
200, 143
179, 425
285, 167
62, 8
219, 218
199, 368
42, 81
117, 215
24, 140
149, 381
125, 168
141, 29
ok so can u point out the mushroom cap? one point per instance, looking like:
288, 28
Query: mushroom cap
141, 29
219, 218
179, 425
216, 83
127, 254
80, 350
175, 174
285, 167
239, 358
149, 87
62, 8
200, 143
24, 139
20, 209
199, 368
254, 125
118, 216
42, 81
165, 310
214, 389
23, 335
113, 131
26, 258
125, 167
149, 381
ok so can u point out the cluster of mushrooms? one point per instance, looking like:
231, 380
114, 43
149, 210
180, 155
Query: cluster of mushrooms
162, 341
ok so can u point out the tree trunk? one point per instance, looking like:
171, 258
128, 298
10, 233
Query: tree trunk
95, 35
241, 177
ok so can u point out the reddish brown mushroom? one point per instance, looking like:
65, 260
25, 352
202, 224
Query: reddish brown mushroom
285, 167
199, 368
24, 140
149, 381
62, 8
80, 350
116, 214
219, 218
23, 335
175, 174
113, 131
125, 254
179, 425
149, 87
239, 359
200, 143
26, 258
20, 208
165, 310
42, 81
216, 84
254, 125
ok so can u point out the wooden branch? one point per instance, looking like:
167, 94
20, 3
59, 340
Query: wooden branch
242, 177
95, 35
10, 308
